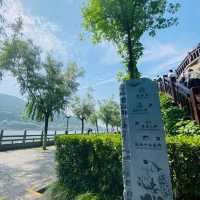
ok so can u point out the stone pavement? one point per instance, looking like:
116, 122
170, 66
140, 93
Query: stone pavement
24, 172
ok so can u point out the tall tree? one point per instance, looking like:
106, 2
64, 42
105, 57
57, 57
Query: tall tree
83, 108
94, 120
45, 83
107, 111
116, 116
2, 19
124, 22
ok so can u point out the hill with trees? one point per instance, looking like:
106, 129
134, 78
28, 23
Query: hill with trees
11, 117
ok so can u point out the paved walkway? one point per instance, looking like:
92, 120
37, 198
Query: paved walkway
22, 172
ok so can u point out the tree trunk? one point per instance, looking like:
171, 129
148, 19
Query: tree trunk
82, 126
132, 69
97, 127
46, 124
107, 127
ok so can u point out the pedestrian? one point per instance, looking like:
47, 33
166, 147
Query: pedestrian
183, 80
171, 75
189, 77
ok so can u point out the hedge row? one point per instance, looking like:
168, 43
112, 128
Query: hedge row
92, 164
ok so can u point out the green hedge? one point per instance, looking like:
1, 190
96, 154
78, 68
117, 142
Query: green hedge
92, 163
184, 156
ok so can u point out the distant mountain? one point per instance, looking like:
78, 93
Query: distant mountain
11, 110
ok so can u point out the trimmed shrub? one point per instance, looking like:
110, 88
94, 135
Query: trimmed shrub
184, 156
88, 196
58, 191
91, 163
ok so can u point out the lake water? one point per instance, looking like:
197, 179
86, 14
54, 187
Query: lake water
33, 132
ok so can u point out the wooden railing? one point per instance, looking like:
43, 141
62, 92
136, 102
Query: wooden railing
9, 142
188, 99
191, 58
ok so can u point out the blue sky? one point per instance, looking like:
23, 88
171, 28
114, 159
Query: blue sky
55, 25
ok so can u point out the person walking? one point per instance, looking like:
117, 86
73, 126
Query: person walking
171, 75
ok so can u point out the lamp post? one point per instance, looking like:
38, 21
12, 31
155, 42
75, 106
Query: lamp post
1, 76
67, 115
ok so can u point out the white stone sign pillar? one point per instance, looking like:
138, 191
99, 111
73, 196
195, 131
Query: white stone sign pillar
145, 164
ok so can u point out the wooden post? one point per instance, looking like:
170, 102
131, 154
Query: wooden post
1, 136
173, 92
164, 85
195, 106
24, 138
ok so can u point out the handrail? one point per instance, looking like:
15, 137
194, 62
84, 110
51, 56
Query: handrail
13, 142
11, 136
192, 56
186, 98
182, 89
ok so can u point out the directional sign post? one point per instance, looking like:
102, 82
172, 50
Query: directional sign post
145, 164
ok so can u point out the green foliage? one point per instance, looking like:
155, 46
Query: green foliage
173, 118
166, 101
124, 22
88, 196
109, 113
44, 82
92, 163
171, 114
83, 108
115, 116
186, 127
58, 191
94, 120
184, 156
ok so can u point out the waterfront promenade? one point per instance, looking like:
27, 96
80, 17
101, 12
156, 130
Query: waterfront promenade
24, 172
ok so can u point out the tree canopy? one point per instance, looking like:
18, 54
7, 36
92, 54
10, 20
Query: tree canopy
83, 108
47, 85
94, 120
109, 113
124, 22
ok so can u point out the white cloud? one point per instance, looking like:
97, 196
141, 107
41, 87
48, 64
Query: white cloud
161, 57
100, 83
171, 63
42, 32
156, 51
110, 55
104, 82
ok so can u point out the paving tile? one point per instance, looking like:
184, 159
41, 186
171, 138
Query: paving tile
22, 172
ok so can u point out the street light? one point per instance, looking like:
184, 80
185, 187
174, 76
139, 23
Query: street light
1, 76
67, 115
